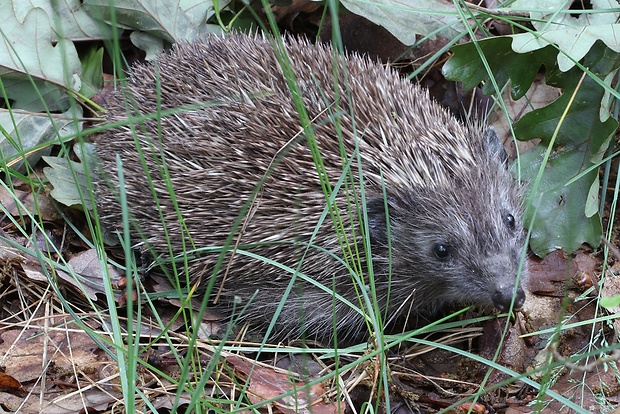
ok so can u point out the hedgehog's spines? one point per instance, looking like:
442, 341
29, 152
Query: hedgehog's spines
445, 184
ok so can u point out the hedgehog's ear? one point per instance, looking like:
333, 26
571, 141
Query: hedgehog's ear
377, 224
494, 147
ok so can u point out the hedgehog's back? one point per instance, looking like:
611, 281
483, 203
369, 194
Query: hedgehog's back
223, 132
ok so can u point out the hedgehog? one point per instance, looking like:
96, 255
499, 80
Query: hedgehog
298, 201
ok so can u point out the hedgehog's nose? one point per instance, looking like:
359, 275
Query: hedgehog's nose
502, 298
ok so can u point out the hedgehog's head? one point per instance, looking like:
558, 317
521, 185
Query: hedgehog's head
460, 243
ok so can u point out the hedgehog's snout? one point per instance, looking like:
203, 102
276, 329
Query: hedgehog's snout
503, 296
501, 278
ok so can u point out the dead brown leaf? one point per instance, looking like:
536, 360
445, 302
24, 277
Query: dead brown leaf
25, 354
266, 383
58, 402
41, 207
86, 264
8, 383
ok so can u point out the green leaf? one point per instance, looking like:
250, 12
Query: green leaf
70, 20
169, 20
27, 137
574, 36
151, 44
34, 95
92, 72
69, 181
557, 211
467, 66
583, 121
610, 302
28, 51
566, 215
592, 200
407, 19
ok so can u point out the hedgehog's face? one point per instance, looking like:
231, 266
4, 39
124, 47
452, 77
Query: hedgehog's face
460, 245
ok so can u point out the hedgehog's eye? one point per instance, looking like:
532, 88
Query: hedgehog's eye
509, 221
442, 251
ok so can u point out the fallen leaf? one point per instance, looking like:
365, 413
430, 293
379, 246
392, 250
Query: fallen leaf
86, 266
8, 383
266, 383
17, 203
22, 353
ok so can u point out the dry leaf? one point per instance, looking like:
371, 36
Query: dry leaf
266, 383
